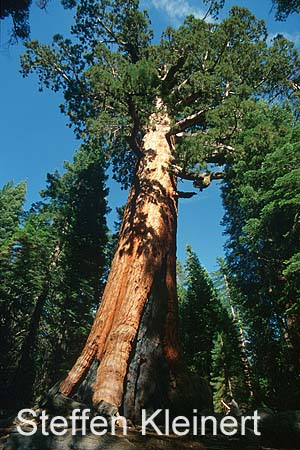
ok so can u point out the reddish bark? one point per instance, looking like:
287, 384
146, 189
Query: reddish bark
136, 324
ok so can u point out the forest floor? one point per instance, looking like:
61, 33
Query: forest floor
10, 439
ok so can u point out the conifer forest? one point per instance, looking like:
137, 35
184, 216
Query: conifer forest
109, 318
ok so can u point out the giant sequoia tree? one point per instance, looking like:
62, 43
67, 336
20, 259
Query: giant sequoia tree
165, 111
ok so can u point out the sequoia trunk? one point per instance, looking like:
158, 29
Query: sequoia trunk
134, 336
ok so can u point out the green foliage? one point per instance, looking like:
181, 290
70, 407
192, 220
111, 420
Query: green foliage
213, 79
53, 270
210, 335
221, 380
78, 201
232, 374
24, 271
19, 11
111, 75
200, 315
261, 197
11, 202
286, 7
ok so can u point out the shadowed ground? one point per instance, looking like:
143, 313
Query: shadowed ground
12, 440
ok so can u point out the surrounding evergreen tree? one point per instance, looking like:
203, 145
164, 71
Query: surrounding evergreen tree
77, 200
210, 335
223, 382
11, 208
53, 273
261, 197
286, 7
200, 312
19, 12
232, 370
165, 111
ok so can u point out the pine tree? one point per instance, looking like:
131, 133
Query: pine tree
230, 300
77, 200
55, 272
200, 311
12, 198
232, 374
261, 200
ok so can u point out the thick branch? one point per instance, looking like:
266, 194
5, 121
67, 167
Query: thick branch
200, 180
169, 76
194, 119
182, 194
203, 180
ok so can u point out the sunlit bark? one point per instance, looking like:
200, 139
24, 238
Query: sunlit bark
136, 324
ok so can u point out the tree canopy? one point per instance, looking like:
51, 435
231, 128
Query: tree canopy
111, 75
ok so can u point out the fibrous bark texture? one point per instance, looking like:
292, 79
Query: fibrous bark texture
134, 336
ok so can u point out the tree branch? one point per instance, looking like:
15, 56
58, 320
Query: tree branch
128, 46
181, 194
188, 100
62, 73
169, 76
111, 33
220, 150
200, 180
194, 119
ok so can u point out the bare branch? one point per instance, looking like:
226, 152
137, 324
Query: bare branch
62, 73
180, 86
111, 33
227, 89
204, 61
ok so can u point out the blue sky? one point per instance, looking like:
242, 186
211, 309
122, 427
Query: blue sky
35, 139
